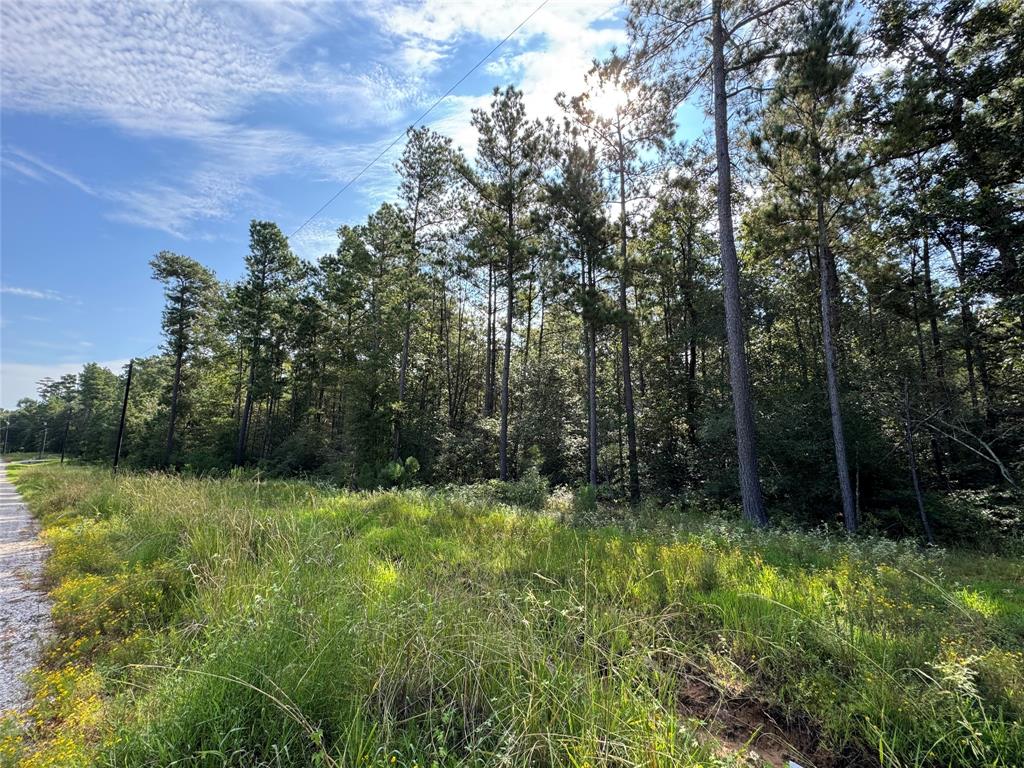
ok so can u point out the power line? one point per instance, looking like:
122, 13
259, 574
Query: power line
430, 109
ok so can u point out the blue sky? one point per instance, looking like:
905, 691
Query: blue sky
129, 128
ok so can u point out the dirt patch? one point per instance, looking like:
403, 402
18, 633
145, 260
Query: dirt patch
744, 723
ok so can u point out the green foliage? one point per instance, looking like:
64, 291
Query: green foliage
529, 491
410, 469
584, 504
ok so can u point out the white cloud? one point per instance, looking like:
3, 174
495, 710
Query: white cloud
63, 346
172, 208
164, 68
187, 71
422, 57
317, 238
19, 380
23, 168
181, 70
446, 22
550, 54
33, 293
194, 71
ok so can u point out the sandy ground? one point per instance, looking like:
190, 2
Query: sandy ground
24, 608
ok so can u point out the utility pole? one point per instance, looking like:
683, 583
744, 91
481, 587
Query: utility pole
42, 446
124, 412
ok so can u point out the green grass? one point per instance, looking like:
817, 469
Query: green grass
208, 623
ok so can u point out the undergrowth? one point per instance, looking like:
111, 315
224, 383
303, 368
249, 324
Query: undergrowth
229, 622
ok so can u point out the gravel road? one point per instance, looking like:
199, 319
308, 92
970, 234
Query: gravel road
24, 607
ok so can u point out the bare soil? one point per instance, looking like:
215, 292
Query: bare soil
744, 723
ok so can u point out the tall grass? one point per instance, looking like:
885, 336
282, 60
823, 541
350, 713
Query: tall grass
209, 623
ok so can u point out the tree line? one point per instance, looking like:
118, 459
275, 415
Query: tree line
816, 310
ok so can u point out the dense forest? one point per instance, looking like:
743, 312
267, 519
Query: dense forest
815, 312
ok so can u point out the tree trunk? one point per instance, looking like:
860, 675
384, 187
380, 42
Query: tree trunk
691, 351
592, 405
254, 428
454, 415
529, 329
271, 412
638, 338
446, 353
933, 314
525, 372
974, 355
236, 409
739, 377
831, 377
940, 469
590, 342
404, 364
243, 427
507, 363
832, 273
627, 378
621, 471
801, 352
540, 331
491, 361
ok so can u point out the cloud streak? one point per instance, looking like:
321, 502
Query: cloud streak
33, 293
38, 170
550, 54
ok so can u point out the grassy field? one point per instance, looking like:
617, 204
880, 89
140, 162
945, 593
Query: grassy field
209, 623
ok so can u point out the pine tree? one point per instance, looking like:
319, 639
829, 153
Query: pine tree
625, 118
425, 170
729, 41
189, 288
575, 216
812, 160
270, 266
511, 157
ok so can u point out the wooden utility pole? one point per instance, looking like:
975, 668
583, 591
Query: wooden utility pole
124, 412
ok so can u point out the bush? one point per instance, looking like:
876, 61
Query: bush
991, 520
530, 491
584, 505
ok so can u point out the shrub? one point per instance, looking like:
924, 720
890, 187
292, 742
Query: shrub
530, 491
584, 505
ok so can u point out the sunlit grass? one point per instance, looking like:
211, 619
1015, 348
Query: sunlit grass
236, 623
